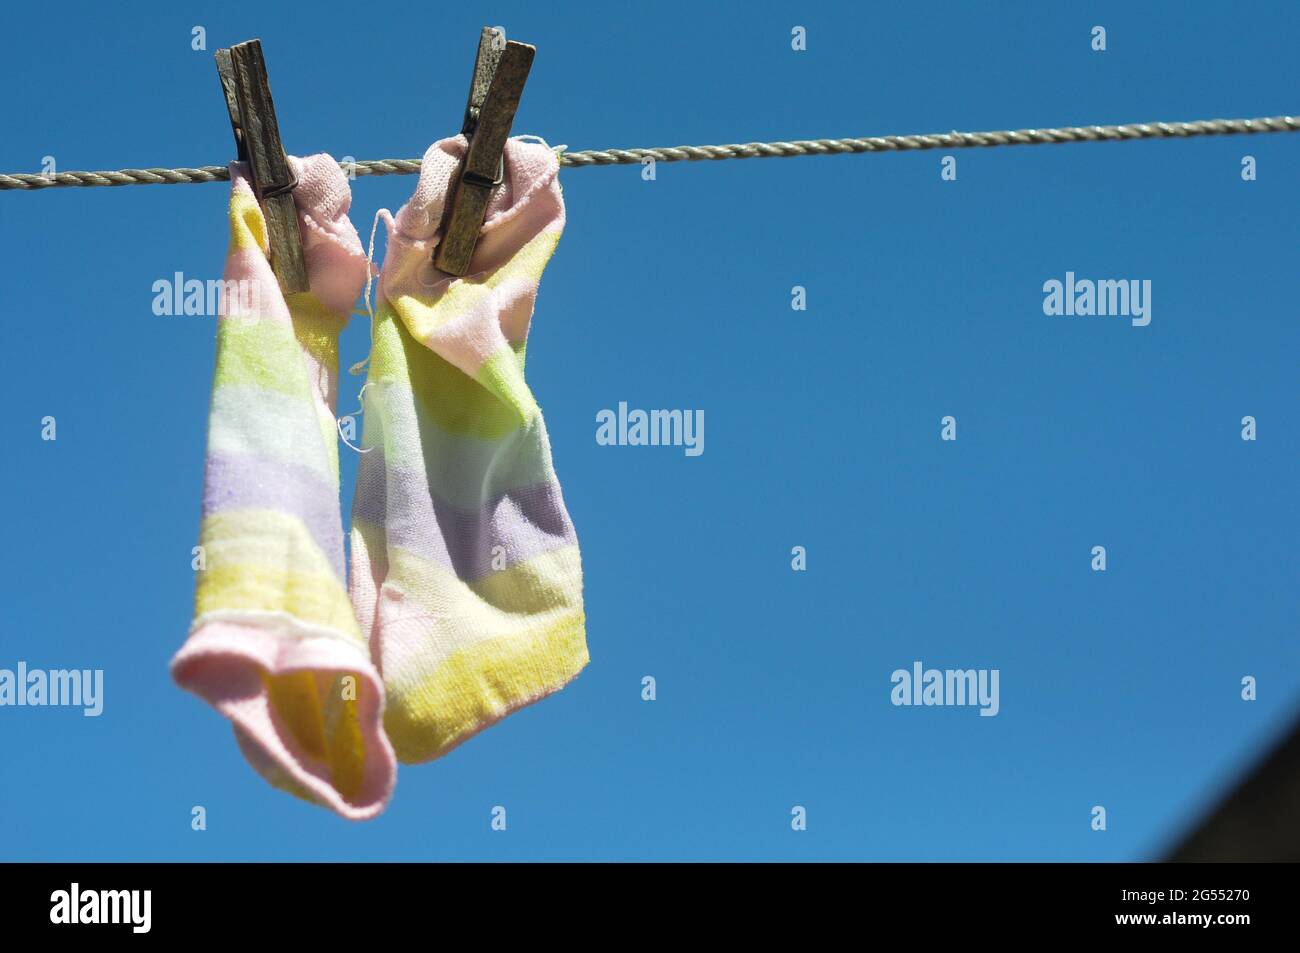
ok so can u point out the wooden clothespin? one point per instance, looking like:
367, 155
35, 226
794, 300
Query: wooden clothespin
500, 72
257, 139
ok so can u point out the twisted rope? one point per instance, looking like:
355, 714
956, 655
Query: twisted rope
749, 150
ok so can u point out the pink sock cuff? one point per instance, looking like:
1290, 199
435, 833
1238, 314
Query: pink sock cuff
336, 262
530, 185
223, 662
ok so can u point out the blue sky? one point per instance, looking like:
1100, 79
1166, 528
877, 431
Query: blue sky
1118, 688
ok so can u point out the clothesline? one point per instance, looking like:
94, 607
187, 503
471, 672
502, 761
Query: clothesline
750, 150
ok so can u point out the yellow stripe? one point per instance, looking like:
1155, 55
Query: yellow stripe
503, 375
247, 224
343, 730
324, 724
501, 603
298, 707
265, 560
269, 353
482, 683
532, 587
445, 395
530, 640
315, 599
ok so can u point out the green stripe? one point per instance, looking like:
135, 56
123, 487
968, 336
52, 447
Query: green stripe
444, 394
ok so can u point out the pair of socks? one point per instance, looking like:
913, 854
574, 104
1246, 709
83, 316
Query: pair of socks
464, 599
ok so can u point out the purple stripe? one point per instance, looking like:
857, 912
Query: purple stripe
241, 481
525, 523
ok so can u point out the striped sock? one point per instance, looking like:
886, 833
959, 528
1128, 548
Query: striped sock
466, 570
275, 645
